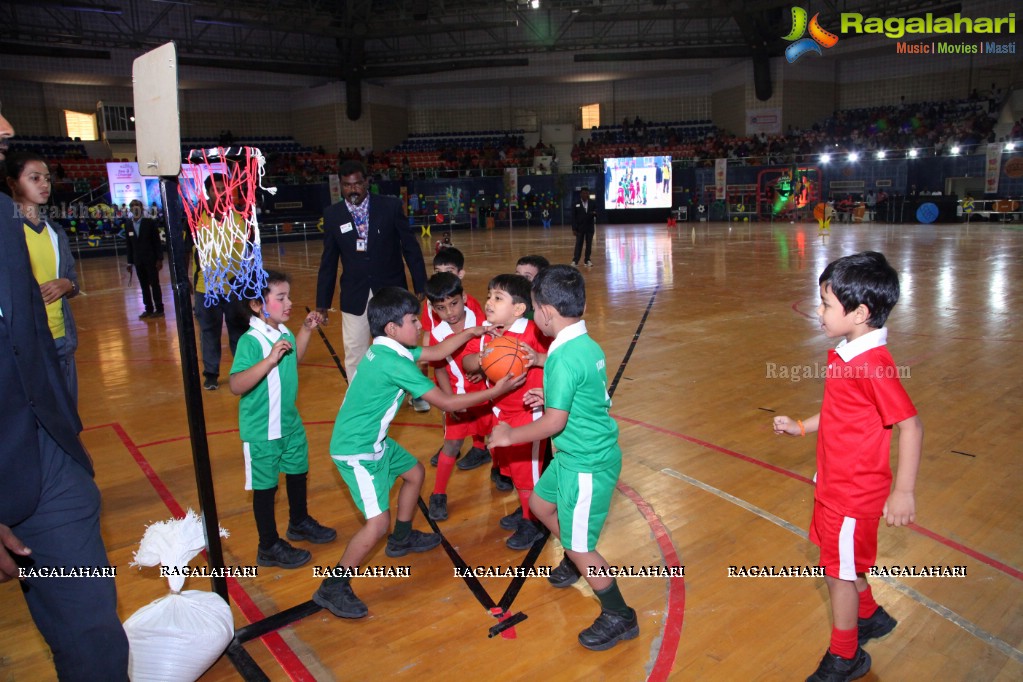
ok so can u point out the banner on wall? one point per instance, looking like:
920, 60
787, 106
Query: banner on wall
993, 168
720, 177
767, 121
511, 185
127, 185
335, 188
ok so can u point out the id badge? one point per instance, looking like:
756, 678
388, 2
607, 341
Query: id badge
360, 244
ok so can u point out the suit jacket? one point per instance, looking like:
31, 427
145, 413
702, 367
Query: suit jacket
35, 395
145, 245
584, 220
390, 238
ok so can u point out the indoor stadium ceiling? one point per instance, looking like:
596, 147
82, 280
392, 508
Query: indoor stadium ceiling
374, 39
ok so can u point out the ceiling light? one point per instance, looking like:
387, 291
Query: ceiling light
854, 157
880, 154
913, 153
825, 158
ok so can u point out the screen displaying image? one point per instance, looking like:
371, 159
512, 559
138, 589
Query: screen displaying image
126, 185
637, 182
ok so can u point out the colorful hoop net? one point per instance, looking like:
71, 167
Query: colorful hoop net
218, 193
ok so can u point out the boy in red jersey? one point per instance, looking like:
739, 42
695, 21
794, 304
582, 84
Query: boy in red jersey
444, 292
508, 302
863, 399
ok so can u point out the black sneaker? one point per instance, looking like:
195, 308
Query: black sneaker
589, 264
340, 600
564, 574
311, 531
145, 315
877, 626
282, 555
210, 384
609, 629
475, 458
158, 313
439, 507
526, 533
419, 404
511, 521
415, 542
837, 669
501, 482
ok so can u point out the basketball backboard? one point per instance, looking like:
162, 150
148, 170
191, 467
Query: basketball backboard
157, 121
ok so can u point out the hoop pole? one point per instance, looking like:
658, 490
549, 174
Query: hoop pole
179, 258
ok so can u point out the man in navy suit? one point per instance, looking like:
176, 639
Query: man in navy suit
145, 253
584, 224
371, 236
49, 504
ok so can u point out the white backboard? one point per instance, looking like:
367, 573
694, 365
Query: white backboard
154, 76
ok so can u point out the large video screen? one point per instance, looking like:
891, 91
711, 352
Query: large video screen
637, 182
126, 185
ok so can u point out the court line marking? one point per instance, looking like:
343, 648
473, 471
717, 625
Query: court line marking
937, 537
279, 649
943, 611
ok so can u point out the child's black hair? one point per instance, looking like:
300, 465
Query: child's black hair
449, 255
515, 286
443, 285
864, 278
563, 288
15, 163
242, 309
390, 304
538, 262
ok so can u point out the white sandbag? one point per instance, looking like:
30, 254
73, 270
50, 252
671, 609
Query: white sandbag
176, 638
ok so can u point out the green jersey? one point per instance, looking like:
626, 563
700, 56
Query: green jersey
386, 373
575, 380
267, 411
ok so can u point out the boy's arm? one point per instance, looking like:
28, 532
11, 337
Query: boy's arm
313, 320
550, 424
244, 381
454, 403
792, 426
900, 509
450, 345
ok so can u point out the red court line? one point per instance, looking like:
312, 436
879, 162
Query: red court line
716, 448
676, 588
280, 650
948, 542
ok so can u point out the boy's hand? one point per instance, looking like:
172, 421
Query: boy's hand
787, 426
533, 398
900, 509
500, 436
313, 320
279, 350
474, 377
477, 331
509, 382
533, 359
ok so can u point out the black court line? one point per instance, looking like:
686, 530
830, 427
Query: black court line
632, 346
959, 452
330, 348
765, 409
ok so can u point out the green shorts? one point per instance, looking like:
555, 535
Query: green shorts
583, 500
370, 481
265, 460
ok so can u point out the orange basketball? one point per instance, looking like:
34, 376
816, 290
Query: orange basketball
502, 356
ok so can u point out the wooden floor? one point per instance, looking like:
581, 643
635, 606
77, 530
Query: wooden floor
705, 482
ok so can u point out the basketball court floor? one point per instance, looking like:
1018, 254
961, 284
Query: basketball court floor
709, 331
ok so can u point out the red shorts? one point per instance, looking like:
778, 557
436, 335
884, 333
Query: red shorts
476, 421
848, 545
524, 462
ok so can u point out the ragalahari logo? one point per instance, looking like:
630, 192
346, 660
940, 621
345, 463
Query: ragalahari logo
818, 36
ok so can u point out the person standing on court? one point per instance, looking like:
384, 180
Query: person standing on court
374, 241
49, 503
145, 254
584, 224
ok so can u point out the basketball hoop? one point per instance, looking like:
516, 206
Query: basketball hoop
218, 194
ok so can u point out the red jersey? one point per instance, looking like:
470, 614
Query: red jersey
453, 363
430, 319
863, 398
509, 407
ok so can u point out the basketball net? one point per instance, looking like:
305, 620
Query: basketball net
222, 220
